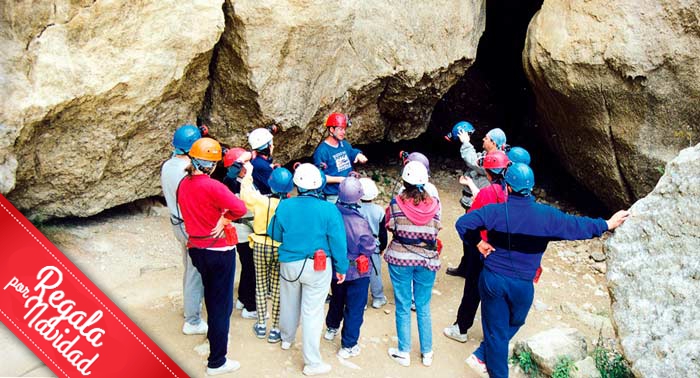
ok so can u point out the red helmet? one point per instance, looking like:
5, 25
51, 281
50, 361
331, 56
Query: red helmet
496, 161
338, 120
232, 155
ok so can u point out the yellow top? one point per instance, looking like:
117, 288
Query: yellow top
262, 207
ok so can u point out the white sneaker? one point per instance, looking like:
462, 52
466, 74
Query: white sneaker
402, 358
228, 367
286, 345
330, 333
427, 358
378, 302
453, 333
321, 368
239, 305
349, 352
477, 365
245, 314
199, 329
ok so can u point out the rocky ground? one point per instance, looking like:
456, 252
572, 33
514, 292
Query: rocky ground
130, 254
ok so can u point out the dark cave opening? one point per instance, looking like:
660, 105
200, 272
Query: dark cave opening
495, 92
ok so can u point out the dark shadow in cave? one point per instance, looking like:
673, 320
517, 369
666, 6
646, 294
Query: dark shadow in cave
494, 92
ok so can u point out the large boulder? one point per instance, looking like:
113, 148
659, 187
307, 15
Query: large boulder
385, 63
617, 85
91, 93
654, 274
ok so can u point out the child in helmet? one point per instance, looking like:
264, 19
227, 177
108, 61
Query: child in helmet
494, 164
207, 208
260, 141
414, 220
335, 155
376, 218
171, 174
350, 297
312, 236
265, 254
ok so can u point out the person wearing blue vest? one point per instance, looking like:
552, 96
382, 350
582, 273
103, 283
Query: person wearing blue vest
312, 236
518, 232
376, 216
335, 155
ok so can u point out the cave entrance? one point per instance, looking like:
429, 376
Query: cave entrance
494, 92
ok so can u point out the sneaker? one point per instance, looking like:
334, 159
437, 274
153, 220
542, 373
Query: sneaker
477, 365
456, 272
402, 358
260, 330
199, 329
227, 367
427, 358
239, 305
330, 333
453, 333
275, 336
321, 368
378, 302
286, 345
245, 314
349, 352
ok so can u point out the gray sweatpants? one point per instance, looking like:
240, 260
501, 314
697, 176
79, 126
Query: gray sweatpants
375, 278
192, 288
304, 298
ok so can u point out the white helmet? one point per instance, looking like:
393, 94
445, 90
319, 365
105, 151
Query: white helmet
307, 177
369, 188
259, 138
415, 173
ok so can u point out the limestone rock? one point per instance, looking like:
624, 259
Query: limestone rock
654, 274
617, 85
546, 348
585, 369
384, 63
91, 93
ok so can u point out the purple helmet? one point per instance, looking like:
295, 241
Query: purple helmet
350, 190
417, 156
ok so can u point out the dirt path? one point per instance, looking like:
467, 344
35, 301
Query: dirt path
131, 256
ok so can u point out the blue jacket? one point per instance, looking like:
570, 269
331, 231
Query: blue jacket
360, 240
304, 224
261, 172
520, 230
338, 161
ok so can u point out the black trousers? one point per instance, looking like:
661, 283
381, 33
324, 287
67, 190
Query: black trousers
246, 285
473, 264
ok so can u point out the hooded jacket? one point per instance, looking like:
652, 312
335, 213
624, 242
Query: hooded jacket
360, 240
414, 229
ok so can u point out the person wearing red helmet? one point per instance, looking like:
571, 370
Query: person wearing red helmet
335, 156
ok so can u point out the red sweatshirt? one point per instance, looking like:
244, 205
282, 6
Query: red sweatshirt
202, 200
491, 194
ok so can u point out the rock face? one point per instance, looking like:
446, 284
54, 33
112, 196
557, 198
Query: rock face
384, 63
92, 91
617, 85
654, 274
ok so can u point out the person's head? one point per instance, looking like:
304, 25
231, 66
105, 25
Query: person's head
414, 176
260, 140
519, 155
495, 164
419, 157
184, 137
307, 178
520, 179
495, 139
337, 123
204, 155
458, 128
369, 188
281, 181
232, 161
350, 191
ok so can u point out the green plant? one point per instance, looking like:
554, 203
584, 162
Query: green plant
610, 363
564, 367
524, 360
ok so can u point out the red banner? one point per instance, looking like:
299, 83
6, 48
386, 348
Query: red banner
62, 316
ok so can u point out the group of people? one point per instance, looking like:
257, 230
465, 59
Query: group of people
331, 236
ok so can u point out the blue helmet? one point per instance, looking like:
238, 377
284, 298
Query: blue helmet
520, 178
458, 128
281, 180
498, 137
184, 137
519, 155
